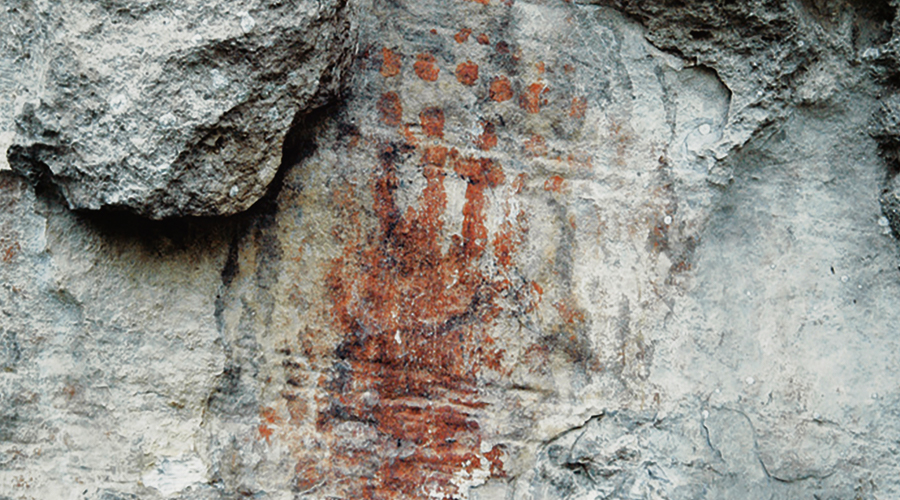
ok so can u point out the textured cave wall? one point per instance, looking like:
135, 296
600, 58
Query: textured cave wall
535, 250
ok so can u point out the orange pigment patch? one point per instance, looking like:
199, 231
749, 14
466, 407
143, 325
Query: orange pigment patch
483, 39
533, 98
463, 35
432, 120
265, 432
391, 109
391, 62
426, 68
500, 89
555, 184
540, 67
488, 137
467, 73
579, 107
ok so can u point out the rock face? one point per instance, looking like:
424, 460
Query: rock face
538, 250
164, 110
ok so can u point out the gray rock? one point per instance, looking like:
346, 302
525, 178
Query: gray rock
638, 254
161, 109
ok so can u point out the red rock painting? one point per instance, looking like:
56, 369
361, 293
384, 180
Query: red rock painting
414, 318
467, 73
501, 89
425, 67
391, 62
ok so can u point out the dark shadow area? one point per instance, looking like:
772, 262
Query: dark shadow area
174, 234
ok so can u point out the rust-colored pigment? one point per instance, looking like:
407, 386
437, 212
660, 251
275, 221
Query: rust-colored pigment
390, 109
467, 73
463, 35
483, 39
536, 146
533, 98
500, 89
432, 121
555, 184
579, 107
488, 137
390, 65
426, 68
401, 411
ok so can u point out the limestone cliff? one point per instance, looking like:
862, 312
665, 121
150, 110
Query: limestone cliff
475, 249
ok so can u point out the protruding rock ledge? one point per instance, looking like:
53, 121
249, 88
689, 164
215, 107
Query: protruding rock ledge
169, 112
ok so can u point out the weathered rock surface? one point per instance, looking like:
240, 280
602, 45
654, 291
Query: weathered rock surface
541, 250
160, 109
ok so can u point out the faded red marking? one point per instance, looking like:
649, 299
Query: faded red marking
579, 107
509, 238
482, 2
569, 312
11, 251
500, 89
268, 415
541, 68
483, 39
488, 137
580, 160
425, 67
568, 68
391, 109
409, 136
265, 432
391, 62
463, 35
432, 121
467, 73
536, 146
518, 185
493, 457
555, 184
533, 98
433, 31
502, 47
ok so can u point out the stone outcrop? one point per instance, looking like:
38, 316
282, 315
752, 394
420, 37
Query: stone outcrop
537, 250
160, 109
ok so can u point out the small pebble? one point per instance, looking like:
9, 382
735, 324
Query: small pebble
247, 22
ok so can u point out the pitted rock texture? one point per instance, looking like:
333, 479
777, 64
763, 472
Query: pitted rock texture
540, 250
161, 109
